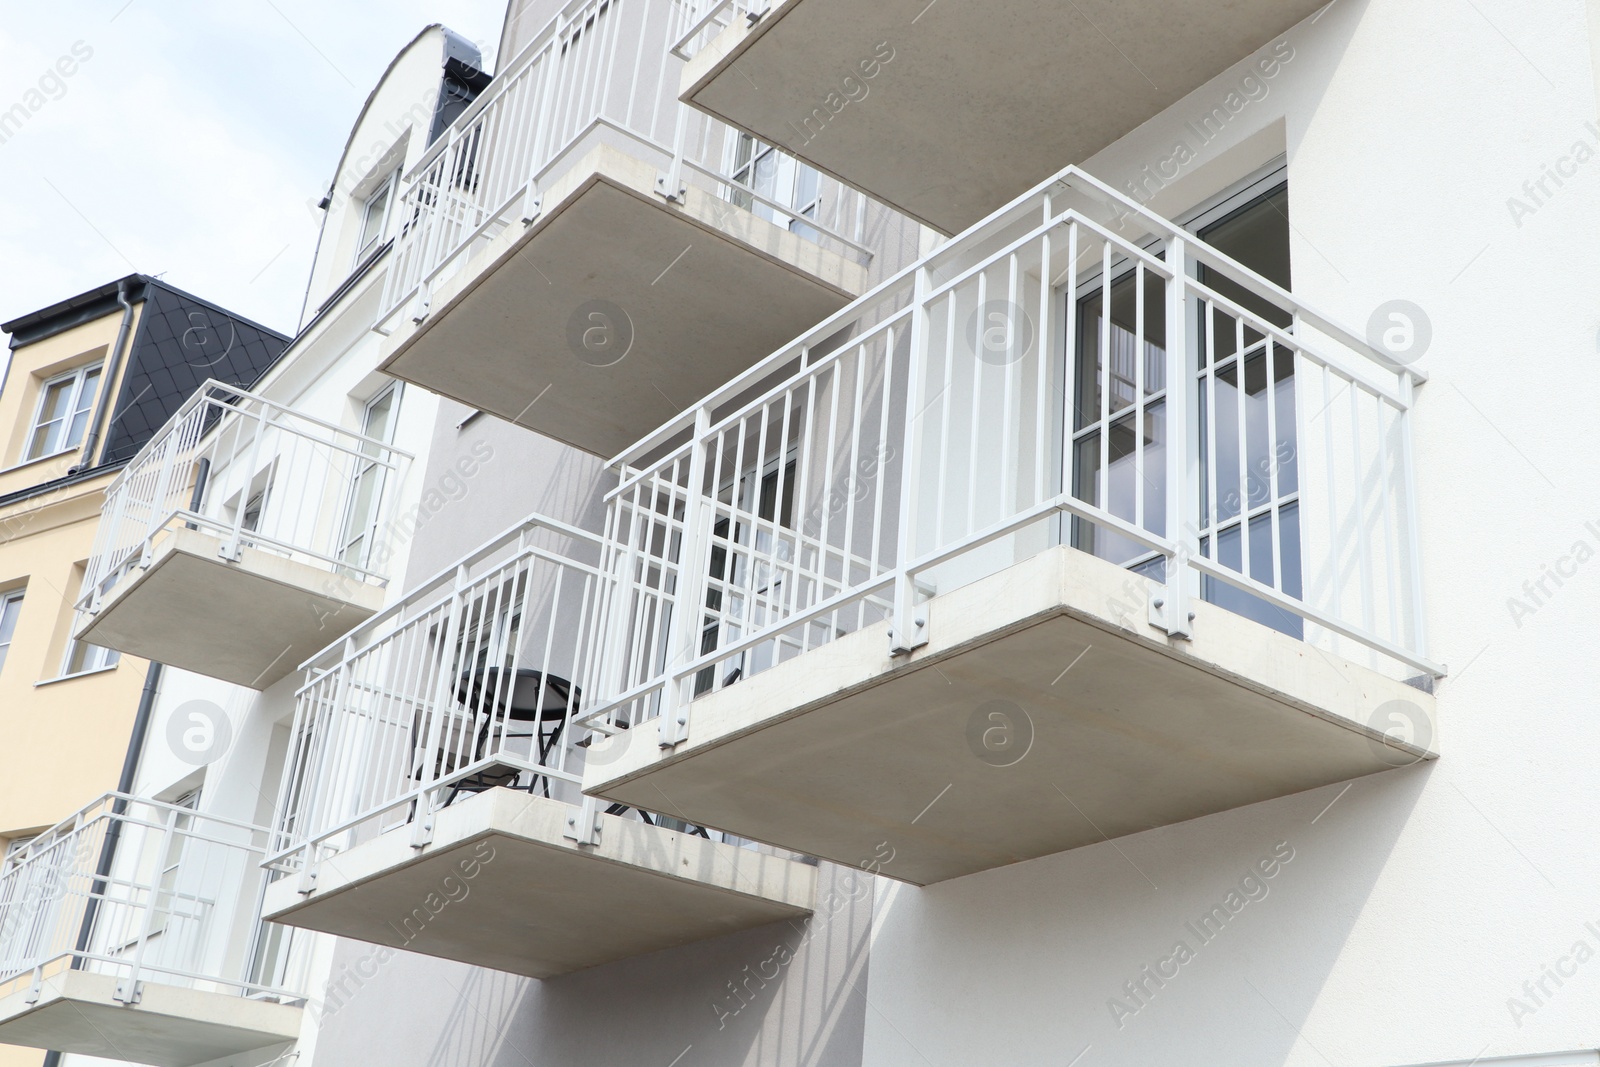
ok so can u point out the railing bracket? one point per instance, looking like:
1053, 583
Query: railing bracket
1164, 616
422, 828
129, 992
664, 183
583, 824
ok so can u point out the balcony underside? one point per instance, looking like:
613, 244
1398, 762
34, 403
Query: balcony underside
615, 309
840, 750
981, 101
529, 901
169, 1027
251, 623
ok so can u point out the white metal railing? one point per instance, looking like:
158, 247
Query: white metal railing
601, 71
700, 21
1190, 420
1071, 371
471, 681
257, 475
143, 891
476, 680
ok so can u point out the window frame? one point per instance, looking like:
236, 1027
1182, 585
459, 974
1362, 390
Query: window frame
1259, 185
11, 598
77, 376
745, 157
363, 539
97, 658
385, 188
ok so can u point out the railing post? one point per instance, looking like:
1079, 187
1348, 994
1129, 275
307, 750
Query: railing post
612, 666
169, 460
1170, 607
443, 698
693, 573
669, 183
910, 620
320, 745
127, 990
583, 822
1419, 628
232, 550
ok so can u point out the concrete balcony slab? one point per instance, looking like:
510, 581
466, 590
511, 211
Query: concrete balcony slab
616, 308
76, 1012
948, 111
1043, 715
501, 886
250, 622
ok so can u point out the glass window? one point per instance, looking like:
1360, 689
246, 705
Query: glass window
366, 488
65, 406
10, 608
1246, 428
375, 217
1248, 482
83, 657
778, 178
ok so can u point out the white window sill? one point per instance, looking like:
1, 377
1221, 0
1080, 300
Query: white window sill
80, 674
40, 459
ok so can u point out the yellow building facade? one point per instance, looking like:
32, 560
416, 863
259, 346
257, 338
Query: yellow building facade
89, 381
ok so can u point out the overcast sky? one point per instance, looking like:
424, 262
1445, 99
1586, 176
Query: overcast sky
191, 139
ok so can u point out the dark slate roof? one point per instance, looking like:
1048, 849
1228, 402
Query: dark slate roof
181, 341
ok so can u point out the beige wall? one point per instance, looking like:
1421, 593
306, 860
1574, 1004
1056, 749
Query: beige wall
31, 367
61, 742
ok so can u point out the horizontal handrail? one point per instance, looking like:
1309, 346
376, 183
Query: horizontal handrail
256, 473
137, 888
597, 65
1072, 177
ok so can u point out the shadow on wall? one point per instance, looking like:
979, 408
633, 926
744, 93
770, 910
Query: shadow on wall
784, 995
1263, 901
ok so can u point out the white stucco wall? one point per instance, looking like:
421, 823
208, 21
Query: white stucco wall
1423, 899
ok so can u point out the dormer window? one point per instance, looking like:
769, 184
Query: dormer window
64, 407
375, 217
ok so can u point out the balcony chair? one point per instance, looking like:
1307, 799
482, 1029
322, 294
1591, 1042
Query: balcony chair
514, 701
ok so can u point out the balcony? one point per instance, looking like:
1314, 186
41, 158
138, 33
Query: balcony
432, 798
947, 112
241, 540
130, 932
583, 255
1082, 529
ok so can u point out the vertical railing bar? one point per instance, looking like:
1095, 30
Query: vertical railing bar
1390, 539
942, 468
1104, 380
1138, 395
1242, 429
1413, 525
1043, 348
1071, 356
1360, 488
1010, 461
975, 435
880, 462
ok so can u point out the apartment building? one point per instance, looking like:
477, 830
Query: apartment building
90, 380
805, 534
233, 538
